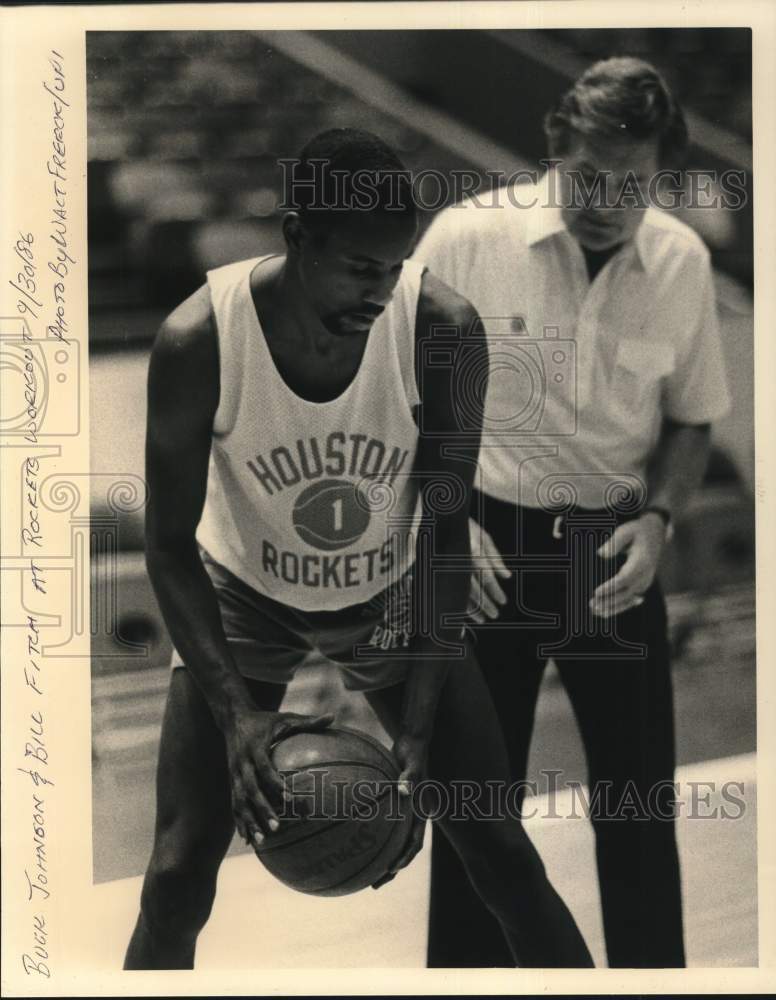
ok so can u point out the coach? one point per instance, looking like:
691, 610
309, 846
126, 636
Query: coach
605, 306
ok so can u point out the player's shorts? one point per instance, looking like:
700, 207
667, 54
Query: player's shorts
270, 641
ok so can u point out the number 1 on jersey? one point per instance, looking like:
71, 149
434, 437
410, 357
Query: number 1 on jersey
337, 506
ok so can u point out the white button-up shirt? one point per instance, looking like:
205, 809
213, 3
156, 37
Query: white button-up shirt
581, 374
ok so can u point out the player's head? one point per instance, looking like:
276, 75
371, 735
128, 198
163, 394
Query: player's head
618, 122
354, 226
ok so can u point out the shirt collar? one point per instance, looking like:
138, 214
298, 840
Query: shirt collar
545, 219
640, 240
544, 216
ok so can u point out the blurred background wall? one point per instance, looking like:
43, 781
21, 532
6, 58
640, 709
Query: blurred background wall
185, 130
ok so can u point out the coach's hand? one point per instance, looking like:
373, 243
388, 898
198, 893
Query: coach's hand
411, 753
486, 596
641, 542
257, 787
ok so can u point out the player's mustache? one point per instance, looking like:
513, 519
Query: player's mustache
371, 312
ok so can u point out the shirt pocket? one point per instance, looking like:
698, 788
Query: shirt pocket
639, 370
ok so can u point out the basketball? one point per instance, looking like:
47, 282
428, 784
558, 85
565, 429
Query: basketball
328, 516
346, 823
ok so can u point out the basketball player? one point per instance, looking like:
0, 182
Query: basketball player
283, 397
611, 304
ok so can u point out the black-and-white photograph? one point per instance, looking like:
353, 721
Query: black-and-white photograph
421, 379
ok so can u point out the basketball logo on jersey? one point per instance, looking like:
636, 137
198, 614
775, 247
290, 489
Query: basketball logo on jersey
329, 516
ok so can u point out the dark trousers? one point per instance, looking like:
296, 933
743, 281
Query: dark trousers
617, 675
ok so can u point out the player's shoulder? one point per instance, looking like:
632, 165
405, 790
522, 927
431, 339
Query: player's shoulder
190, 327
184, 369
192, 323
233, 272
666, 233
441, 305
185, 362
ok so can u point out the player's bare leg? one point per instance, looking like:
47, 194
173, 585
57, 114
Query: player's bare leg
501, 861
194, 827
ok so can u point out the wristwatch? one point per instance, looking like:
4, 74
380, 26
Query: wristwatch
665, 515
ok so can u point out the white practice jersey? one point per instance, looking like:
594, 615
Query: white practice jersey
312, 504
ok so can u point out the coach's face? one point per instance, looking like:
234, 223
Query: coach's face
350, 270
617, 172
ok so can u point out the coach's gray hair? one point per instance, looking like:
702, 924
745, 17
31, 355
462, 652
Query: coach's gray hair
620, 97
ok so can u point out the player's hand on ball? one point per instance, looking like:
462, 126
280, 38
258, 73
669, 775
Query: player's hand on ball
486, 596
257, 787
411, 753
641, 541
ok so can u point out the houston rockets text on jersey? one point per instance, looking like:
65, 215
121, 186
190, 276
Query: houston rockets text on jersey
312, 504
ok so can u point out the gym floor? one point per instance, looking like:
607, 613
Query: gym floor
386, 928
715, 697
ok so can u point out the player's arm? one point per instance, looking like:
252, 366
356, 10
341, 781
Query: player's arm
183, 390
449, 248
445, 465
